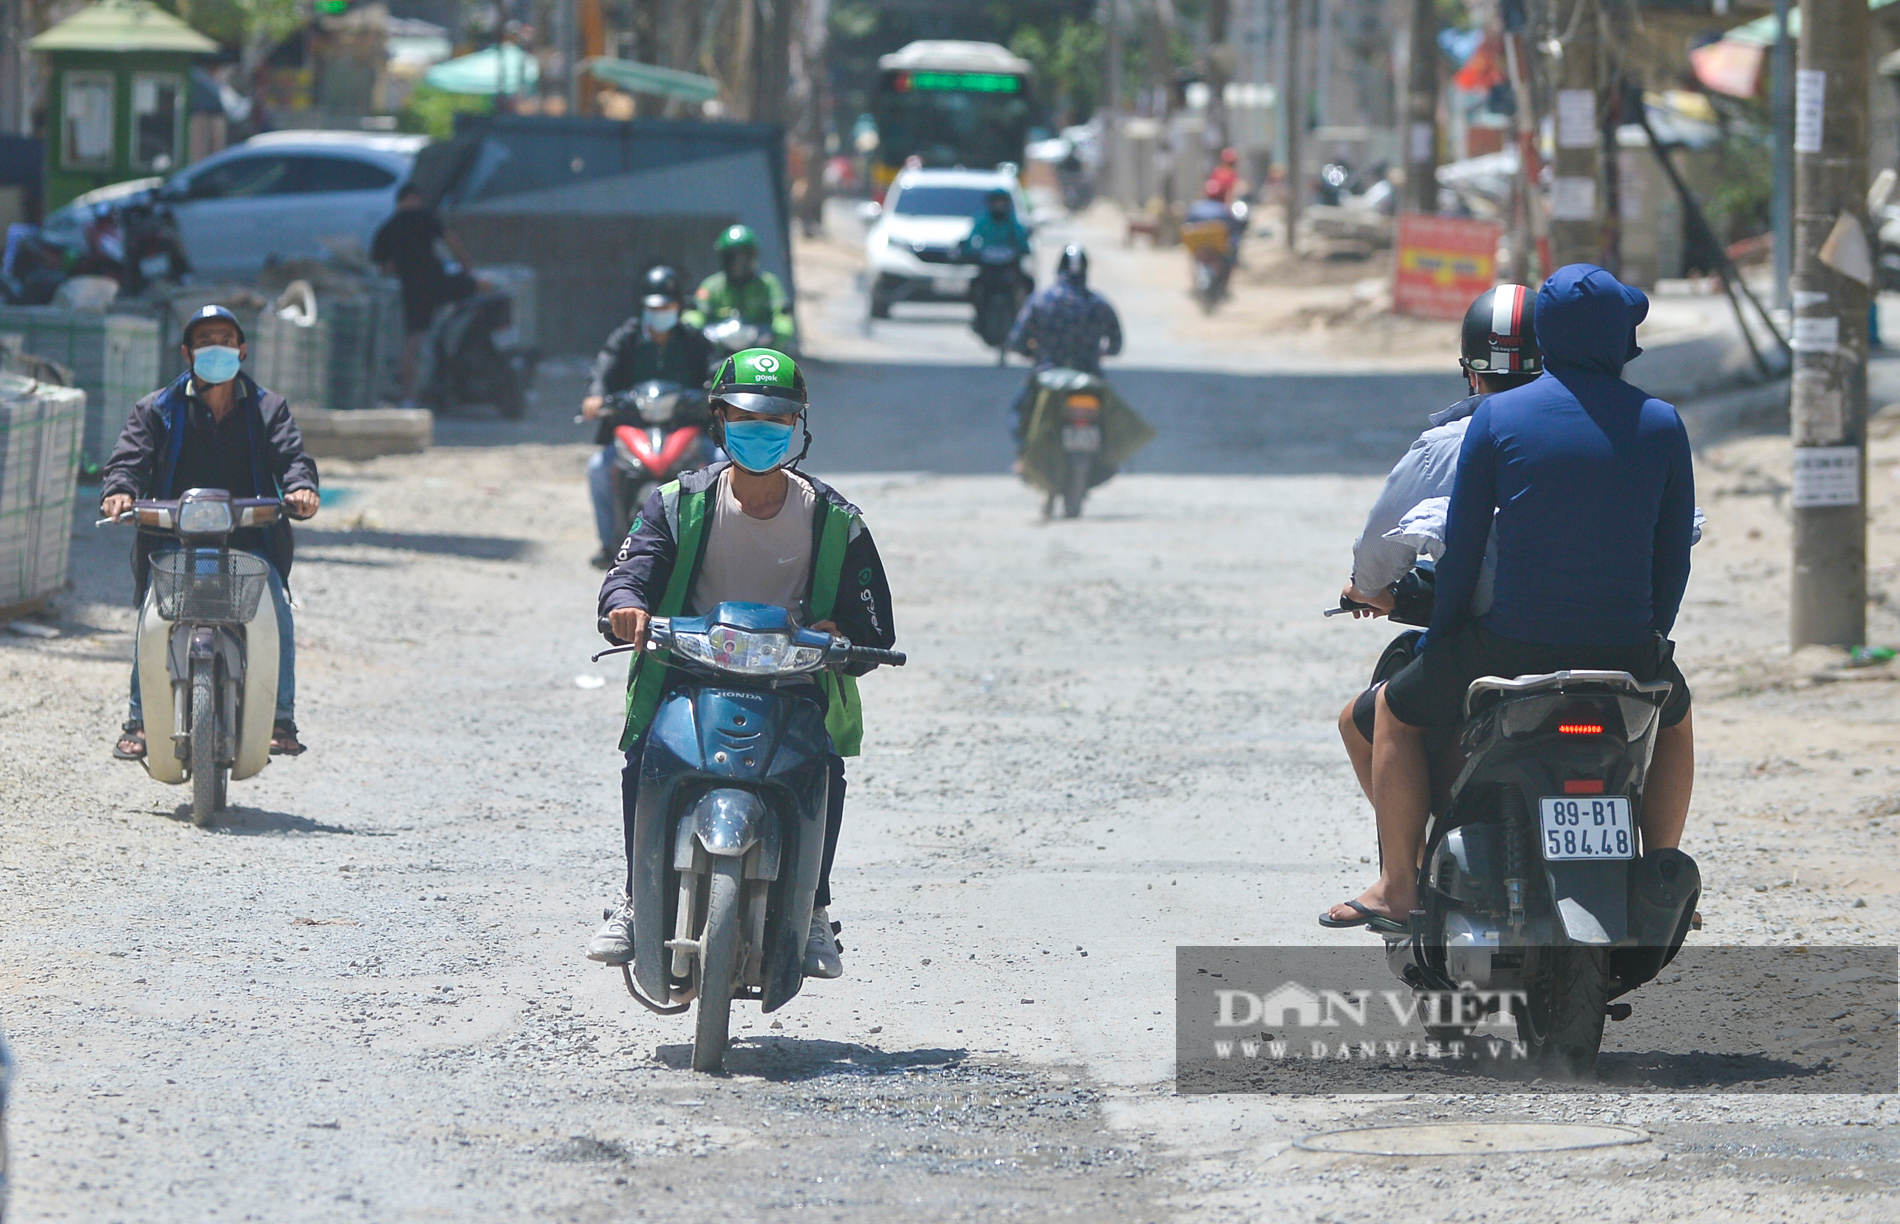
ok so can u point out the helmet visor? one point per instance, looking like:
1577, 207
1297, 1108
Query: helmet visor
762, 403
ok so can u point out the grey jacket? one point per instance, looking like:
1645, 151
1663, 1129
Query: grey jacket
1427, 470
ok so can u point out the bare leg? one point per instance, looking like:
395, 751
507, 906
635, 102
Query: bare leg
1666, 789
1401, 795
1357, 749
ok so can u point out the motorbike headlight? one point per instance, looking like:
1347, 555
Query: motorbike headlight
659, 409
747, 654
204, 518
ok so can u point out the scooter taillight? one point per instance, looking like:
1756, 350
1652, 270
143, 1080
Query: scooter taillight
1084, 409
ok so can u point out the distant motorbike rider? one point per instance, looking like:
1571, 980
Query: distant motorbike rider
650, 345
1586, 485
741, 289
1064, 326
214, 428
996, 227
1224, 179
758, 530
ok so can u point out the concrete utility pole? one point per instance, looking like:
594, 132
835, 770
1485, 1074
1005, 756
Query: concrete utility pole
1576, 188
1293, 94
1829, 393
1421, 111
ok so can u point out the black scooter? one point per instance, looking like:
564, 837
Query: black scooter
474, 356
1534, 887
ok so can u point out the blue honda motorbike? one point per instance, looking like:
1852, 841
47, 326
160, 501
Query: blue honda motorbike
729, 819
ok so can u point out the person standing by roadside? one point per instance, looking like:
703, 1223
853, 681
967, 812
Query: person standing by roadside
405, 247
214, 428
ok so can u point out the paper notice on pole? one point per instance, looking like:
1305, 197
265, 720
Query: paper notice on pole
1573, 199
1810, 104
1424, 142
1826, 476
1846, 250
1817, 408
1576, 119
1816, 335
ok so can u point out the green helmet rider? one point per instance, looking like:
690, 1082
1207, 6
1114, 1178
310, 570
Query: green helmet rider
740, 288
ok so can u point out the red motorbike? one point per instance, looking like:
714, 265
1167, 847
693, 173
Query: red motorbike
660, 429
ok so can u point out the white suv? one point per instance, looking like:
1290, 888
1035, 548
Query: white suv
929, 210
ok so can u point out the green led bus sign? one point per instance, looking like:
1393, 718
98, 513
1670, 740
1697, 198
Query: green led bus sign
960, 82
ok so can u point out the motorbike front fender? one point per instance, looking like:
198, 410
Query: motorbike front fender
1591, 900
729, 822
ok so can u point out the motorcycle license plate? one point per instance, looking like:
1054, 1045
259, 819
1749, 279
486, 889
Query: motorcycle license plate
1594, 828
155, 266
950, 286
1082, 438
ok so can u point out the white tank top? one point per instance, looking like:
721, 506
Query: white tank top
751, 560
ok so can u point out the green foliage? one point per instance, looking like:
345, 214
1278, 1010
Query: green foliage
232, 22
432, 111
1738, 207
1068, 63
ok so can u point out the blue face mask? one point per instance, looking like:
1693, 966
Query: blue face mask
215, 364
758, 446
659, 322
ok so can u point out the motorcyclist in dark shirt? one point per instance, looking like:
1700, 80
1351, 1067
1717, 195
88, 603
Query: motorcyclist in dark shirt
650, 345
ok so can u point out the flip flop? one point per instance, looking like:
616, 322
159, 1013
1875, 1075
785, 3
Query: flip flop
1368, 919
130, 734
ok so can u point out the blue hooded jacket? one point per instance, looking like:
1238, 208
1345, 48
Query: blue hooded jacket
1590, 481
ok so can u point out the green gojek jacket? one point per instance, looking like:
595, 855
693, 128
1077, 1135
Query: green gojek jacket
659, 563
761, 301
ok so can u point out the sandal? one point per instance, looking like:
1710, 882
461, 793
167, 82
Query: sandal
1367, 918
131, 745
283, 739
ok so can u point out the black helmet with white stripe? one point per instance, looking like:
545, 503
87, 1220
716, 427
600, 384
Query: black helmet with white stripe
1500, 334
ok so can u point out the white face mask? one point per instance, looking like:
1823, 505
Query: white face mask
659, 322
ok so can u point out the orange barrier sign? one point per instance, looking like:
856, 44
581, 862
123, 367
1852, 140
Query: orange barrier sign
1443, 263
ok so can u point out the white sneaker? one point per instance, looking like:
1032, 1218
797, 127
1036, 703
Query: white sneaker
822, 959
613, 943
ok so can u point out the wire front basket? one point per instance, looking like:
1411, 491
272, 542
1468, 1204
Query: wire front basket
203, 585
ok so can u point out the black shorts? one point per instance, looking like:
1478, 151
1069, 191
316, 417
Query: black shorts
1430, 691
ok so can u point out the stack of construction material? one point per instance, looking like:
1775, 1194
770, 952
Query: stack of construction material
291, 349
40, 431
113, 358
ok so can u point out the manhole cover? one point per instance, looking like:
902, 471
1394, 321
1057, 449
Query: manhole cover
1471, 1139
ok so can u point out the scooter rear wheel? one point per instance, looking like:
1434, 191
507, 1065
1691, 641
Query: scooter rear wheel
206, 784
718, 963
1562, 1020
1078, 486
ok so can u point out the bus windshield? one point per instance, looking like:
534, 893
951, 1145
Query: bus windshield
948, 124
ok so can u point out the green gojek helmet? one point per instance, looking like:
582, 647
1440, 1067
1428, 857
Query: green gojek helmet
737, 237
760, 380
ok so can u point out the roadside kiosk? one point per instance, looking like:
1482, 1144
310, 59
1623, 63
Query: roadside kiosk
117, 102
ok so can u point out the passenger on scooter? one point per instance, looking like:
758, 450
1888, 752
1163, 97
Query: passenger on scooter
1497, 351
741, 289
1065, 326
1224, 179
214, 428
763, 521
1588, 484
650, 345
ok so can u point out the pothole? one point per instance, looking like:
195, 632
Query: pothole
1471, 1139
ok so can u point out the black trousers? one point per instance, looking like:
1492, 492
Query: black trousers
834, 816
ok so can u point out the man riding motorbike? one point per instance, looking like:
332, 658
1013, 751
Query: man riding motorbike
996, 226
741, 290
214, 428
750, 530
651, 345
1588, 486
1065, 326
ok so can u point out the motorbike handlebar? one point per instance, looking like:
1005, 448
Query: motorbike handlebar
871, 654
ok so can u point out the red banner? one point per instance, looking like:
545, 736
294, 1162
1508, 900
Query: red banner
1443, 263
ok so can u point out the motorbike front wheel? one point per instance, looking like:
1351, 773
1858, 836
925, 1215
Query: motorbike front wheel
207, 781
718, 963
1562, 1018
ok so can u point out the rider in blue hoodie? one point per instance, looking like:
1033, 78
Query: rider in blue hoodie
1590, 485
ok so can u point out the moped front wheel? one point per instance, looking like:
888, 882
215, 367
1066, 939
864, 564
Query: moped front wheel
718, 963
207, 786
